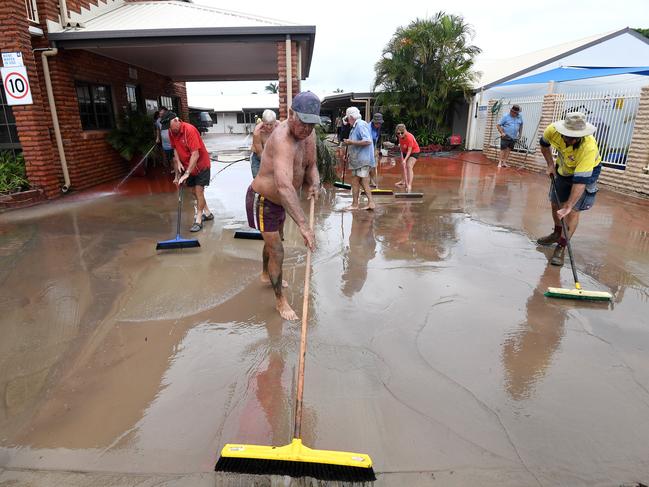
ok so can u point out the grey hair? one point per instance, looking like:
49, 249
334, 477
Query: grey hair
353, 112
268, 116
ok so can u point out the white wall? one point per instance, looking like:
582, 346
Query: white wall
225, 119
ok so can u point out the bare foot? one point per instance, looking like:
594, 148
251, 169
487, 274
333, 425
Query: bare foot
505, 165
285, 310
351, 208
408, 189
400, 183
266, 279
370, 206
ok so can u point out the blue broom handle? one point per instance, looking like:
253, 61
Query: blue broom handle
297, 431
565, 233
180, 204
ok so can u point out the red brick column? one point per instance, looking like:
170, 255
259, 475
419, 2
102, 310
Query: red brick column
32, 121
282, 71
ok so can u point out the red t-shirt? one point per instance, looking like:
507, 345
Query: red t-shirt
408, 140
186, 141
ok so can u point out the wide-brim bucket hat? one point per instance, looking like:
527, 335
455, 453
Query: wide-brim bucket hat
575, 125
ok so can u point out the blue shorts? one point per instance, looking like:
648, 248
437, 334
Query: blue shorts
255, 163
564, 187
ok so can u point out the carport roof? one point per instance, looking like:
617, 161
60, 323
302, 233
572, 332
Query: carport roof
212, 44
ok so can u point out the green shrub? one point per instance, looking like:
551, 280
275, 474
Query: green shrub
12, 173
326, 157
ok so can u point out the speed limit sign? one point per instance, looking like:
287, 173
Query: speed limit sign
16, 86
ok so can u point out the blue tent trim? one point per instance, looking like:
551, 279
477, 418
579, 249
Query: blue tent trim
573, 73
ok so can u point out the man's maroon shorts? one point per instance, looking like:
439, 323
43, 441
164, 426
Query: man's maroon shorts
263, 214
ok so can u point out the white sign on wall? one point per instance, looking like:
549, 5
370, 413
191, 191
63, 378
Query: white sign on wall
16, 86
12, 59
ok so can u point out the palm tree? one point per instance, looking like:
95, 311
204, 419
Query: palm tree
426, 67
272, 88
338, 90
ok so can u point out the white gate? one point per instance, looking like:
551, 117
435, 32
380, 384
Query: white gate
613, 113
531, 108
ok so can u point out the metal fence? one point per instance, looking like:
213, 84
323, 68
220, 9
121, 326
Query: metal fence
32, 12
531, 108
613, 113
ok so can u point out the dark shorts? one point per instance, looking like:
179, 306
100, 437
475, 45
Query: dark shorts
169, 153
564, 186
201, 179
414, 154
255, 162
263, 214
507, 143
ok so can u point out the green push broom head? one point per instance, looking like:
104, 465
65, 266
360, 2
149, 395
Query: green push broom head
558, 292
339, 184
296, 460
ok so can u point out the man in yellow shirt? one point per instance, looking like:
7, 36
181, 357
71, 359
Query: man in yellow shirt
576, 171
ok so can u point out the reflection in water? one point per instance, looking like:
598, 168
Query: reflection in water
271, 393
418, 231
362, 249
528, 351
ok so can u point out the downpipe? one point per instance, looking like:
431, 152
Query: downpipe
48, 52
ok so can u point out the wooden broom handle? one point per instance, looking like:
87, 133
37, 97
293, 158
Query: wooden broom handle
305, 318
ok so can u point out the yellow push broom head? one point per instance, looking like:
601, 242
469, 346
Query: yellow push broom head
296, 460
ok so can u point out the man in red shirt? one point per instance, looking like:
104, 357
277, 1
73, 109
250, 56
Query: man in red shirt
192, 160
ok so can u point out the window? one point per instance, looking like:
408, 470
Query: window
171, 102
167, 102
8, 133
131, 98
95, 106
240, 117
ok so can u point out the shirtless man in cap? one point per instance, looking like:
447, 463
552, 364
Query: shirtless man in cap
289, 163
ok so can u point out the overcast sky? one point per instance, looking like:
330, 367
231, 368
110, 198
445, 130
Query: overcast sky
351, 35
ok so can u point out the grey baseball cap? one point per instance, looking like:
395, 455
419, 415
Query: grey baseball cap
307, 107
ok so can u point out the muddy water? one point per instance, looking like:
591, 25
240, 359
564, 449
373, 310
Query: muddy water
432, 347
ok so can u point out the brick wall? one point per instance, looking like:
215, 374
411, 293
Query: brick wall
31, 120
90, 159
282, 71
633, 179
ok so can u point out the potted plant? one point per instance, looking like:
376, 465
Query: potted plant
133, 138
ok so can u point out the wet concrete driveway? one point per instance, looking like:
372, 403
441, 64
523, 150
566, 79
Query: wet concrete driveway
432, 347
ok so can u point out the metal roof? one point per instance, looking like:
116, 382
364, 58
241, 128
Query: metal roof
185, 41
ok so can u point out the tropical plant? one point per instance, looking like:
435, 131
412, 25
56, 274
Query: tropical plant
425, 68
272, 87
644, 32
326, 157
338, 90
12, 173
134, 135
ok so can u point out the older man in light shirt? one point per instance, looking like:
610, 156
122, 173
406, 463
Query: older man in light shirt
360, 157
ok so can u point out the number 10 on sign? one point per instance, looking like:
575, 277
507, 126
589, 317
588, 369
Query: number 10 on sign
16, 86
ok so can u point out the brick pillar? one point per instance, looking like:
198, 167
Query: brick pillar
179, 89
32, 121
281, 73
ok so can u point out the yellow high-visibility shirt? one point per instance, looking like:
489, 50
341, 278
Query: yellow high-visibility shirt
579, 162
